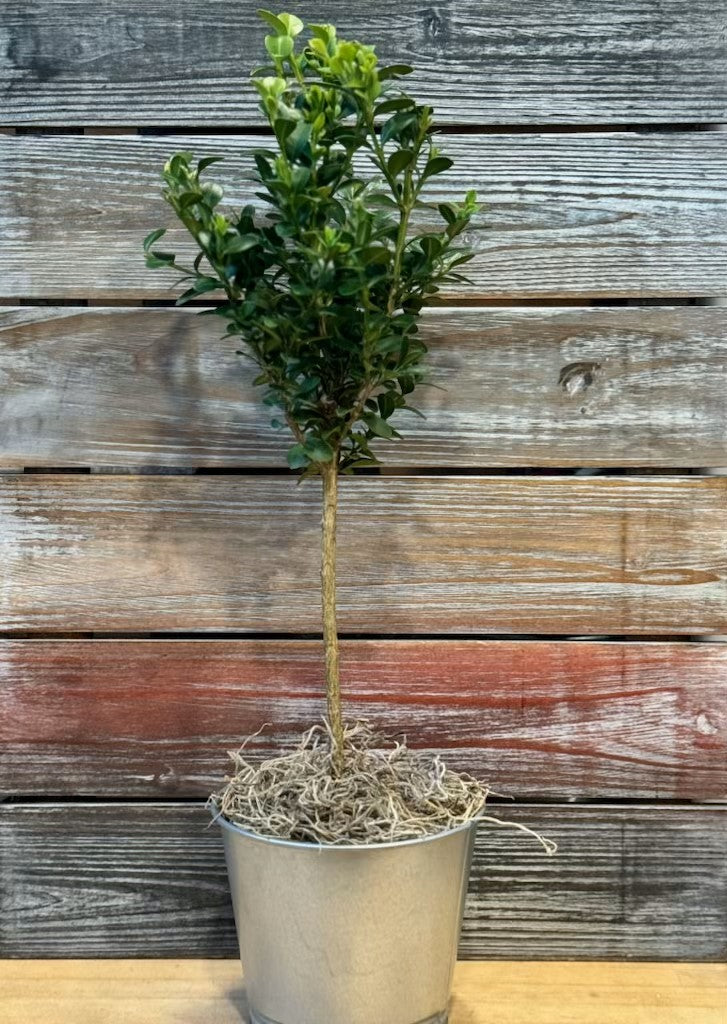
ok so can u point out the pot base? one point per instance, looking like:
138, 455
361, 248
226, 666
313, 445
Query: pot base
259, 1018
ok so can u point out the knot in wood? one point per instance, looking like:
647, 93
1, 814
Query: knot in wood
575, 378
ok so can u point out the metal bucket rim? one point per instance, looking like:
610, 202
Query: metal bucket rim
298, 844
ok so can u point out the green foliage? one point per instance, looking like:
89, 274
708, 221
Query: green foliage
325, 287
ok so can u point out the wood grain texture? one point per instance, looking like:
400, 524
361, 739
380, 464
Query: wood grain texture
75, 62
213, 992
566, 215
524, 387
596, 555
149, 879
541, 719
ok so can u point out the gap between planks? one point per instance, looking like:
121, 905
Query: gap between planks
513, 128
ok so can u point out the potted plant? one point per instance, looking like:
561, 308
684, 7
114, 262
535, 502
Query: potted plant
348, 856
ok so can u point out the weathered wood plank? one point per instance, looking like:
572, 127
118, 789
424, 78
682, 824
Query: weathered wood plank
556, 61
567, 215
213, 992
417, 554
149, 879
540, 719
525, 387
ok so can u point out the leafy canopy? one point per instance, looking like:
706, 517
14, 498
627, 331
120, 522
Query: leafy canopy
326, 288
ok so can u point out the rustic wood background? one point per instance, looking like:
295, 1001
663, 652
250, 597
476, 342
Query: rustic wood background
536, 582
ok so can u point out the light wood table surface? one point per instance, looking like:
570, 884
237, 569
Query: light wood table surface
497, 992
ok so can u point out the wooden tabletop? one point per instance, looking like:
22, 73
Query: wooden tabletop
498, 992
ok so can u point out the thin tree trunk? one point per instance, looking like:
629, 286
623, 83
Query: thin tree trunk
329, 475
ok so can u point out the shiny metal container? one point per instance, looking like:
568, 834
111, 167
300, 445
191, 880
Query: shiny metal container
348, 934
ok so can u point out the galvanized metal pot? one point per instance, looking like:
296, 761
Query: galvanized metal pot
348, 934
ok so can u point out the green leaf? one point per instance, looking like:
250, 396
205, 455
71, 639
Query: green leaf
378, 426
206, 284
464, 258
279, 46
399, 160
375, 254
389, 106
325, 32
297, 458
318, 450
298, 140
318, 46
381, 199
177, 162
207, 162
393, 71
283, 126
242, 243
391, 343
293, 26
189, 199
436, 165
431, 246
153, 237
393, 128
264, 71
273, 21
264, 168
387, 404
154, 263
350, 286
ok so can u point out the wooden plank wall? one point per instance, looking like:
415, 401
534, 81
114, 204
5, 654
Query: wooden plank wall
537, 582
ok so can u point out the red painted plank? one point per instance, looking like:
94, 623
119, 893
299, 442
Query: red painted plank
535, 718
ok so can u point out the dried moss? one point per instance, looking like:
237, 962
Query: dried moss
386, 793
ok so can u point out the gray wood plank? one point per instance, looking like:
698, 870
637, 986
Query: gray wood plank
544, 719
634, 555
602, 214
551, 61
118, 880
524, 387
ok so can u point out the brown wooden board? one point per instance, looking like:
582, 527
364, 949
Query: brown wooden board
211, 991
612, 214
524, 387
149, 880
554, 61
537, 718
633, 555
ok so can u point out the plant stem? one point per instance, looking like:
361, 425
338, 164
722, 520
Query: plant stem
329, 476
398, 253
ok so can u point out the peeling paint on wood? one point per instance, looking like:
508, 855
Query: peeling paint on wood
598, 214
554, 61
540, 719
149, 880
524, 387
615, 555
